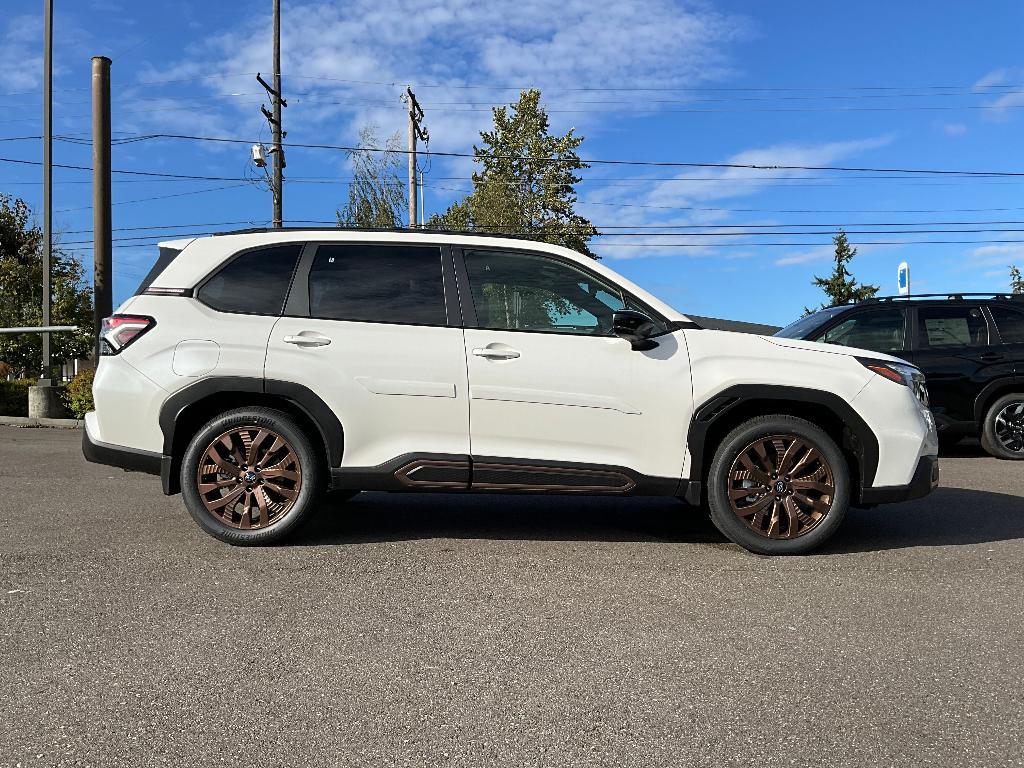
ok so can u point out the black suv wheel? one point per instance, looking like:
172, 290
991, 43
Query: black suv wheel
250, 476
778, 485
1003, 431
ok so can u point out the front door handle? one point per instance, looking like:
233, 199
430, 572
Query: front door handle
496, 353
990, 356
308, 339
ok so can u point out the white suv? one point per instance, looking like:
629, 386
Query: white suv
254, 370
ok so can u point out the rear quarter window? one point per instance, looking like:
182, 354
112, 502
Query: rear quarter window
1010, 324
167, 255
254, 282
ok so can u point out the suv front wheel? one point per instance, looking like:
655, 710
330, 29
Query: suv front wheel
250, 476
1002, 434
778, 485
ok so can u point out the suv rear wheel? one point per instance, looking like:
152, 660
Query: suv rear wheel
250, 476
778, 485
1002, 434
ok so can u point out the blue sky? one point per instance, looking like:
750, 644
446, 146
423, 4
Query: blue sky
869, 84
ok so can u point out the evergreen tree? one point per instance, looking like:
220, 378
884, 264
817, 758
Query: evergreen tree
21, 294
841, 287
376, 194
525, 185
1016, 281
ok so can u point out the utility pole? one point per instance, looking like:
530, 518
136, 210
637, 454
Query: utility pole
416, 130
102, 244
46, 377
274, 118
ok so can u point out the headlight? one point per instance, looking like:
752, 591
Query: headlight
900, 373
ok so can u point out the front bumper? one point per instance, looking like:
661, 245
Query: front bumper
926, 479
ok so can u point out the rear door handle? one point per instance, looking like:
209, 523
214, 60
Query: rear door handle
308, 339
496, 353
990, 356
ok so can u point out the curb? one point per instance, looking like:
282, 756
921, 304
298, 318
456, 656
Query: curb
26, 421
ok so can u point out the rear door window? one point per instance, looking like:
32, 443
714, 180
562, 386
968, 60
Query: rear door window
1010, 324
880, 330
943, 327
253, 283
378, 284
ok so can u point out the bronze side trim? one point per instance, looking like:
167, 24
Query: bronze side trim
405, 475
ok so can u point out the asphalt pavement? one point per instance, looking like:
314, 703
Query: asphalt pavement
450, 630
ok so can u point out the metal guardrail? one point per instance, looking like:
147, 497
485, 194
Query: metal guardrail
40, 329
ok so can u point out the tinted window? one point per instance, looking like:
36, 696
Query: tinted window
881, 330
254, 283
1009, 323
524, 292
167, 255
939, 327
378, 284
805, 326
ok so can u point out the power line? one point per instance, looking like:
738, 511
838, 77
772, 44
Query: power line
600, 161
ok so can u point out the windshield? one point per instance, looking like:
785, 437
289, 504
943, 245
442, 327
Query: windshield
802, 328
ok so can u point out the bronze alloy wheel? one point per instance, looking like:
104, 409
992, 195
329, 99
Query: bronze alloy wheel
249, 477
781, 486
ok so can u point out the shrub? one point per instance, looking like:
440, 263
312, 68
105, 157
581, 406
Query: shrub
14, 397
79, 393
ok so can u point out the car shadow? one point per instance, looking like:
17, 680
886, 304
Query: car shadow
949, 516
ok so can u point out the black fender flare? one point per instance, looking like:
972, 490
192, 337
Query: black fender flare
303, 398
864, 443
987, 393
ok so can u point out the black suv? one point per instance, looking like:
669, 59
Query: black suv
969, 346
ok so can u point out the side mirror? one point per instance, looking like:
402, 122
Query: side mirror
635, 327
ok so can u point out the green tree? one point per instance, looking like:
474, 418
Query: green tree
526, 181
841, 287
376, 194
21, 294
1016, 281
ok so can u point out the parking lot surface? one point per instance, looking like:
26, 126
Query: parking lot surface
511, 631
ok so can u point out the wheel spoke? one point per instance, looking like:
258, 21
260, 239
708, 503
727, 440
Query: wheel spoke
254, 447
755, 474
790, 453
207, 487
223, 501
810, 485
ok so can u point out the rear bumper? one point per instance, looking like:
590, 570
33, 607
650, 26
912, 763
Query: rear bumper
128, 459
926, 478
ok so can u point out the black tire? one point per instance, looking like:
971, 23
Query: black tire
249, 528
1002, 434
830, 465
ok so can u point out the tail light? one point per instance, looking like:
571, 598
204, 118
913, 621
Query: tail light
118, 331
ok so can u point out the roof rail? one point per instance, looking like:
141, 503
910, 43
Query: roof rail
950, 296
394, 230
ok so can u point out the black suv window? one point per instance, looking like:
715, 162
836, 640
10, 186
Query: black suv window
959, 326
880, 330
253, 283
1010, 324
527, 292
378, 284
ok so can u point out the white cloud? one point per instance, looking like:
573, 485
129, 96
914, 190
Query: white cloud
819, 253
1008, 99
678, 201
335, 57
21, 48
955, 129
992, 255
